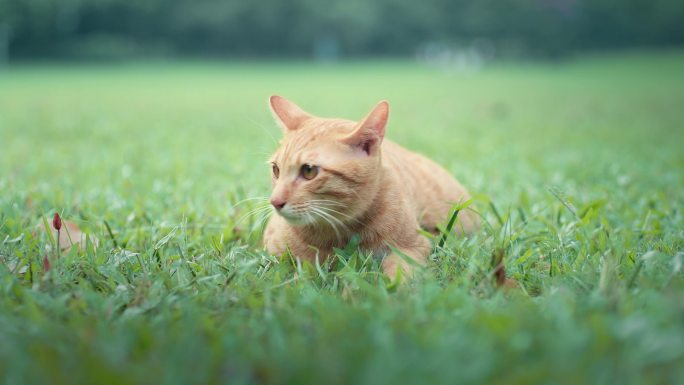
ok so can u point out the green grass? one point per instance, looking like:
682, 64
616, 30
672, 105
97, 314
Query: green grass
577, 168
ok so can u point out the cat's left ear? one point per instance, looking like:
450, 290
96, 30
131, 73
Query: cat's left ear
287, 114
370, 131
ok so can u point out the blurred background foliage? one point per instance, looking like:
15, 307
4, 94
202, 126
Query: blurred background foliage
328, 29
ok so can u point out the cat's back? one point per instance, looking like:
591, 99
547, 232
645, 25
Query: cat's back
429, 188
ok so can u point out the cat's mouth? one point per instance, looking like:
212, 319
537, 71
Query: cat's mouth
312, 213
296, 220
296, 215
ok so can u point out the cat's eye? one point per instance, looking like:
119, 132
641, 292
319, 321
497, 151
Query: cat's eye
308, 171
276, 170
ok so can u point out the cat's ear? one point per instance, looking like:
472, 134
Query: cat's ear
370, 131
287, 114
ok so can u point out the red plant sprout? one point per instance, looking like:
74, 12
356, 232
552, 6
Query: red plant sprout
57, 222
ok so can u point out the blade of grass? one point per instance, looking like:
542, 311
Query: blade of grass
450, 226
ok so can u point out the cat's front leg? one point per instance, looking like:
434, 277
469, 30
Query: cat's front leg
418, 250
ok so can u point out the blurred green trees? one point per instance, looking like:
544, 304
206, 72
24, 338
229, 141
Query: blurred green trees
121, 28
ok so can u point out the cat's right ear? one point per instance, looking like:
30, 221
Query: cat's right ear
370, 132
287, 114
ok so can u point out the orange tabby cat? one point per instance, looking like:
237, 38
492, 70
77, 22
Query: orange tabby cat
333, 178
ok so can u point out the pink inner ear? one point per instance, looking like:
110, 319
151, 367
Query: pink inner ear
370, 132
377, 119
366, 147
365, 139
377, 123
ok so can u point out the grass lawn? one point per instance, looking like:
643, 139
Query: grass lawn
577, 167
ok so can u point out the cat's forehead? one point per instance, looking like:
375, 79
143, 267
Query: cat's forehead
307, 151
314, 139
321, 128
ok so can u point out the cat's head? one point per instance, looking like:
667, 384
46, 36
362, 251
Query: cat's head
325, 171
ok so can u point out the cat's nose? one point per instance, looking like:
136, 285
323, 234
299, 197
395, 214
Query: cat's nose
278, 203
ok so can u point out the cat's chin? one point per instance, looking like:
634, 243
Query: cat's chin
295, 220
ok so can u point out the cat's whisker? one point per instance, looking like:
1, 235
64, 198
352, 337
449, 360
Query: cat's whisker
310, 218
328, 205
238, 203
332, 220
259, 223
333, 211
253, 212
266, 130
256, 211
327, 201
326, 217
243, 218
342, 224
262, 219
330, 210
